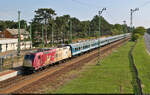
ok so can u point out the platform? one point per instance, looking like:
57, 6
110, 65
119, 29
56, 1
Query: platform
9, 74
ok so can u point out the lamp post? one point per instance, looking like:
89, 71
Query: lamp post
99, 12
18, 49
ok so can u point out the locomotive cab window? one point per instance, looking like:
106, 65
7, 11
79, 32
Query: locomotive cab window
29, 57
76, 49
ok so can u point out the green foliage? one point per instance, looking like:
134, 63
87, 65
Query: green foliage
60, 27
12, 24
138, 32
135, 36
115, 31
45, 16
105, 26
118, 29
142, 61
2, 26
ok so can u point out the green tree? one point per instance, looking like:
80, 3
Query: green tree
62, 24
115, 31
36, 33
2, 26
138, 32
105, 26
118, 27
85, 28
76, 27
44, 15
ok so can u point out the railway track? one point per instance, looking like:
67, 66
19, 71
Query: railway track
23, 84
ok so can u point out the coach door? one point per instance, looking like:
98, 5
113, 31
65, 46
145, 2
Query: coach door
0, 47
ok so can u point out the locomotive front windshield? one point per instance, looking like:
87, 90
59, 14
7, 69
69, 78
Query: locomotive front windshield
29, 57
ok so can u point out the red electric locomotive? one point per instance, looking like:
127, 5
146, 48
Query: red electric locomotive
39, 59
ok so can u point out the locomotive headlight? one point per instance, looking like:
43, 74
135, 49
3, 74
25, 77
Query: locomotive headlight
27, 63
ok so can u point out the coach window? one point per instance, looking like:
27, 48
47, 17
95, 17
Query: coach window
83, 47
75, 49
87, 46
78, 48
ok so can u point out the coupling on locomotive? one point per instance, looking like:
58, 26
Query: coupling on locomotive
43, 57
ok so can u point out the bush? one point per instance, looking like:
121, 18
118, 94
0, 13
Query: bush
137, 33
135, 36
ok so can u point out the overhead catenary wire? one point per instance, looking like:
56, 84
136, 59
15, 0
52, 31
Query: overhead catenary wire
145, 4
91, 5
86, 4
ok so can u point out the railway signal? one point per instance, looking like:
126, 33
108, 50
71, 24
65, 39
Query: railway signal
99, 12
131, 18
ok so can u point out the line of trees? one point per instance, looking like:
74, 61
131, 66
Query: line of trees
11, 24
59, 26
138, 32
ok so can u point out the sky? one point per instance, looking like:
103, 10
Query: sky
117, 10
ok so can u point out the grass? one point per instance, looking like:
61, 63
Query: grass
142, 61
112, 76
